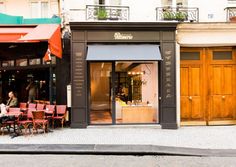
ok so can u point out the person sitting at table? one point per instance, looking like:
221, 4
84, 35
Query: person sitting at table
11, 102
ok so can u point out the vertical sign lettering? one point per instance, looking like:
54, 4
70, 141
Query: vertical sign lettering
78, 73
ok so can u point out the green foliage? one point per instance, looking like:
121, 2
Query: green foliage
170, 15
102, 14
181, 16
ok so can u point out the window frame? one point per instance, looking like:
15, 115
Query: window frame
39, 8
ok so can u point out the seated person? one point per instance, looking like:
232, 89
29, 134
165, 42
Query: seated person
11, 102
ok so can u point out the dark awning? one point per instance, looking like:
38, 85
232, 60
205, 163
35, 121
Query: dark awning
144, 52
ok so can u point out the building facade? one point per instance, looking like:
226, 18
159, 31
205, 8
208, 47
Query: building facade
204, 48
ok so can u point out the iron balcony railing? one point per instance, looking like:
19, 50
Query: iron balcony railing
102, 12
185, 14
231, 14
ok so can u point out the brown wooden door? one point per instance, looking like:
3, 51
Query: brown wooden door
191, 93
191, 88
222, 94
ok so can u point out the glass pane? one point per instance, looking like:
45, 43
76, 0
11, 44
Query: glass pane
34, 61
34, 9
166, 3
190, 56
2, 7
182, 3
7, 63
222, 55
21, 62
136, 92
53, 59
44, 9
100, 93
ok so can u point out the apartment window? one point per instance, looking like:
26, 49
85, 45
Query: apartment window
232, 1
108, 2
2, 7
179, 3
39, 9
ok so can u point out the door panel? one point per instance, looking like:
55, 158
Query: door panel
184, 80
185, 108
195, 81
217, 107
197, 112
216, 82
222, 94
191, 93
228, 80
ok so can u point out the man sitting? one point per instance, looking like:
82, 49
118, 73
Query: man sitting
11, 102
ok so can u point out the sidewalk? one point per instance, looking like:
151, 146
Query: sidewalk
195, 140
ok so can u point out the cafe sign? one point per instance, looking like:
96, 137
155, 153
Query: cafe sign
122, 36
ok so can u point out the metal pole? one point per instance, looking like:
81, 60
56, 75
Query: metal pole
50, 83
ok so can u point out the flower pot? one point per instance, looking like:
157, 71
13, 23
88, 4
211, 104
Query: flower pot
232, 19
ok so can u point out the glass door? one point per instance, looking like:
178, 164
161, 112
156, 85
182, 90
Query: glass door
100, 93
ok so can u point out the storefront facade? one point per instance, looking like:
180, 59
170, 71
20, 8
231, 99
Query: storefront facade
33, 53
123, 73
207, 73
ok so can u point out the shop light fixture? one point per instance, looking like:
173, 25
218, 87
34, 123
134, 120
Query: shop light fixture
136, 73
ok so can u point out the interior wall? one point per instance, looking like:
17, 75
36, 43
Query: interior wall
150, 89
100, 82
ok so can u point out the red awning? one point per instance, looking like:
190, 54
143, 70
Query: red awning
42, 32
13, 34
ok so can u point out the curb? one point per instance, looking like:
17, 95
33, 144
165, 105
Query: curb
112, 150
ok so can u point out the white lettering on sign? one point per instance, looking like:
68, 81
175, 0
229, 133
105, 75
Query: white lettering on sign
118, 35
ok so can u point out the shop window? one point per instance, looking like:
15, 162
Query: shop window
189, 56
39, 9
34, 61
222, 55
21, 62
8, 63
136, 90
53, 60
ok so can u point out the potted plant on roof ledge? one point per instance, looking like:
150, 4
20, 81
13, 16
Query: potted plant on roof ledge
232, 19
168, 15
181, 16
102, 14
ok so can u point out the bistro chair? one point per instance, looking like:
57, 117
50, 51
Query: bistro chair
32, 105
40, 106
60, 114
14, 112
39, 121
23, 106
28, 122
49, 113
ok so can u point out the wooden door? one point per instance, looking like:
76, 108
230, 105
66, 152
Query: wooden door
191, 89
222, 94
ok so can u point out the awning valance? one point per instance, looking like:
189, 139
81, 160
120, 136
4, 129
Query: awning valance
50, 33
123, 52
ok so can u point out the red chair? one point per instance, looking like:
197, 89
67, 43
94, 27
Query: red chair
60, 114
40, 106
32, 105
12, 112
39, 121
23, 105
49, 112
28, 122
